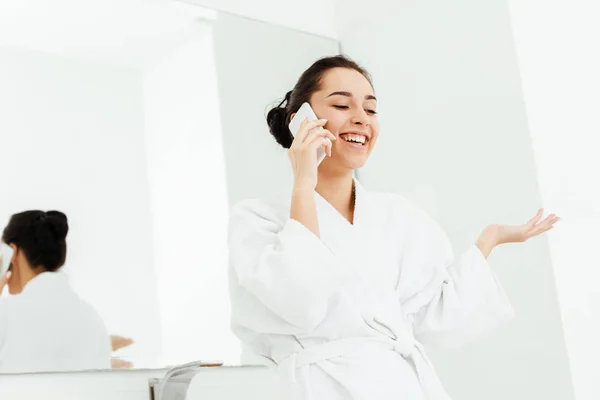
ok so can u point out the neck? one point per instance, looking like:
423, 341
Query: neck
28, 273
337, 190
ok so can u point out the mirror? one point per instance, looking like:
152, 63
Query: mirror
143, 122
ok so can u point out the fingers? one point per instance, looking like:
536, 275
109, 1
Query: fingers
322, 138
544, 226
536, 218
117, 363
539, 231
535, 221
315, 139
118, 342
549, 220
306, 128
321, 142
4, 280
317, 133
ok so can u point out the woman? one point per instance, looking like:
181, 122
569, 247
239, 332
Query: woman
339, 286
45, 326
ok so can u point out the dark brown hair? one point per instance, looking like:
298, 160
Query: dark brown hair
41, 236
309, 82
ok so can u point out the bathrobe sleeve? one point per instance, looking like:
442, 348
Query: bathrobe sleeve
283, 264
457, 298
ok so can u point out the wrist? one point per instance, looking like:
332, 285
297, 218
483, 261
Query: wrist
302, 190
488, 240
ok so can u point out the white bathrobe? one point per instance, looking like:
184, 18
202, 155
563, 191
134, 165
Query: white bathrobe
345, 316
47, 327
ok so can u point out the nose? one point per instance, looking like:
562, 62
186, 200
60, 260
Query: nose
360, 117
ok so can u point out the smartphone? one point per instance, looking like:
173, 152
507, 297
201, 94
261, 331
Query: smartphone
306, 112
6, 253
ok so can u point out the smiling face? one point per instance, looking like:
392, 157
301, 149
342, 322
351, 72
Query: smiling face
347, 101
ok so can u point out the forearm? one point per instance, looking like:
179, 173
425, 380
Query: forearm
304, 210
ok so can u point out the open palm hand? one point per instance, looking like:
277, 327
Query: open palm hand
521, 233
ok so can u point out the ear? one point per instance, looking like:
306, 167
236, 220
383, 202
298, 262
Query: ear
14, 260
14, 248
292, 116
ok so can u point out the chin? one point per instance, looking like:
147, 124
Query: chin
347, 163
353, 166
355, 162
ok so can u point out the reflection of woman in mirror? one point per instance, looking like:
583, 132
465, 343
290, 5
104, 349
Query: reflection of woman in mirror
340, 286
45, 326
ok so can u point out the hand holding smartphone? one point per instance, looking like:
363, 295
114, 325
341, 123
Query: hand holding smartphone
306, 112
6, 255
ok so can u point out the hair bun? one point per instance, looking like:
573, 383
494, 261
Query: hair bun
277, 119
59, 223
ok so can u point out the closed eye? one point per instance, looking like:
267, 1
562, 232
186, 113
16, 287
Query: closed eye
371, 112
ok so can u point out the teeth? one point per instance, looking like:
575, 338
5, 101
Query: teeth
355, 138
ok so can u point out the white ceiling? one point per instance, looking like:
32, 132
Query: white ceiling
123, 32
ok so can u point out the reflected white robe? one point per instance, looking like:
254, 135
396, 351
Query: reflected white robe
344, 316
49, 328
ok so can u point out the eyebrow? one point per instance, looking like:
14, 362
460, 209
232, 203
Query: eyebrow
348, 94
